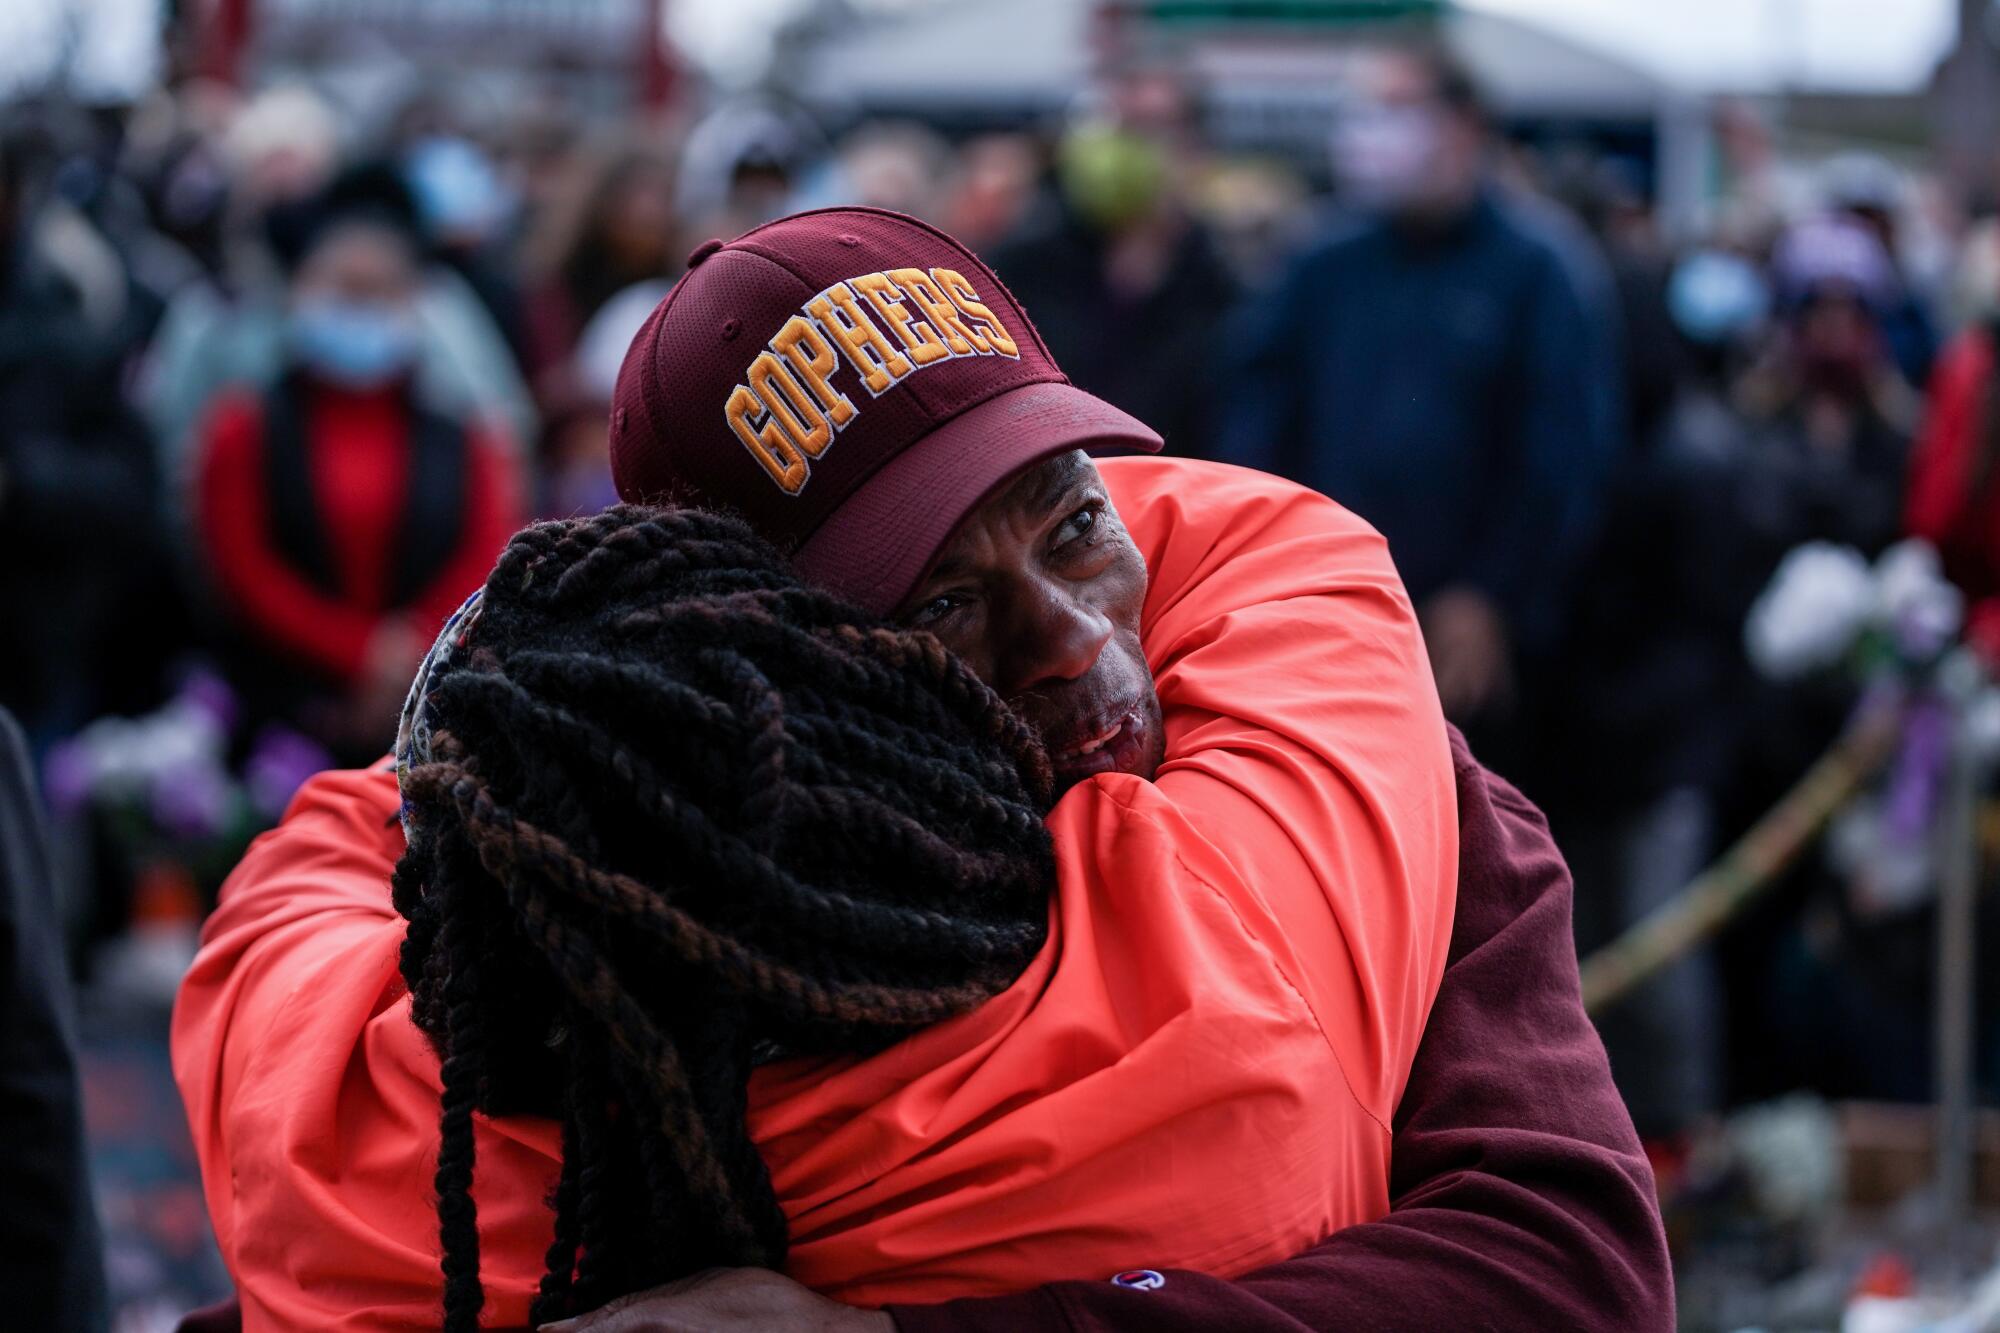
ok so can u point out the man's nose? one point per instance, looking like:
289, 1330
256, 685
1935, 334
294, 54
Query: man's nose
1059, 639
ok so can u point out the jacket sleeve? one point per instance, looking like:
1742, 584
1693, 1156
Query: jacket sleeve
301, 896
1522, 1200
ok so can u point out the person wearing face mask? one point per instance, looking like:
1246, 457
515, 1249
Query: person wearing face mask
1444, 363
1830, 415
339, 512
1113, 261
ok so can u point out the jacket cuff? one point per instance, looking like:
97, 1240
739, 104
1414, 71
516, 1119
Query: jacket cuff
1037, 1309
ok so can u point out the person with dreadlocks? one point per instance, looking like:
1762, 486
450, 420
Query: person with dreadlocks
1204, 1067
668, 812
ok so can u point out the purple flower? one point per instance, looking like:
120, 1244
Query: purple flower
209, 695
1916, 776
280, 761
192, 802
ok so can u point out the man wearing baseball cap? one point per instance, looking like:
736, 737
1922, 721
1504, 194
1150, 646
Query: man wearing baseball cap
1227, 674
869, 396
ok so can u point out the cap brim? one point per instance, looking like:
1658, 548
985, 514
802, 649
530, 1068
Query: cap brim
881, 541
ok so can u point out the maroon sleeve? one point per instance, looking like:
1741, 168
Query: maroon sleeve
1521, 1197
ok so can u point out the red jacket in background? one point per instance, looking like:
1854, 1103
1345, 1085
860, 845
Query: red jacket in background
358, 452
1953, 500
1942, 506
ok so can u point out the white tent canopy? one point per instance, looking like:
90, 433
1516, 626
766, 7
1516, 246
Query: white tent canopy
1038, 52
1692, 46
954, 52
1759, 45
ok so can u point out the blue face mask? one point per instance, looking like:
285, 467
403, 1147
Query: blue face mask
459, 194
356, 344
1716, 297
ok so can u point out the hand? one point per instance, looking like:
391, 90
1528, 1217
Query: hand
727, 1300
1469, 654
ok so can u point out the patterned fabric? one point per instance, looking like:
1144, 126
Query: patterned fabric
413, 732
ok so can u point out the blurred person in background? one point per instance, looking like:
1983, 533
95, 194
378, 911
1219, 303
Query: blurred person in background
1444, 363
80, 542
96, 222
1654, 679
894, 164
616, 226
993, 188
575, 476
742, 163
1127, 286
238, 161
467, 212
1831, 413
173, 156
1826, 422
51, 1252
532, 151
215, 335
1606, 197
341, 514
64, 225
1866, 189
1819, 996
1259, 214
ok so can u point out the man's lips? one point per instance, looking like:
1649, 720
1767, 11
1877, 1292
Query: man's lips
1115, 745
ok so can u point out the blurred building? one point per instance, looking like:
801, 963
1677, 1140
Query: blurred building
597, 54
1271, 77
1965, 102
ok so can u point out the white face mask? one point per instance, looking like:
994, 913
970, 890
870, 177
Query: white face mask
1386, 156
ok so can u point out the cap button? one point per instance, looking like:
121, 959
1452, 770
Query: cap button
704, 250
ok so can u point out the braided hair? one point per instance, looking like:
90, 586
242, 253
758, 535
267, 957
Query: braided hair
675, 813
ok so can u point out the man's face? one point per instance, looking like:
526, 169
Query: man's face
1040, 591
1399, 147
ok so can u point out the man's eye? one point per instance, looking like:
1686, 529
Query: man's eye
1081, 525
934, 610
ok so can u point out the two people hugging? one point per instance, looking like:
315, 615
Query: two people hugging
900, 872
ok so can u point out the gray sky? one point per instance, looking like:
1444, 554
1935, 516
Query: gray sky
1738, 45
1746, 45
1705, 45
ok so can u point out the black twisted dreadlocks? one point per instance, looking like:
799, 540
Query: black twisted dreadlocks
681, 813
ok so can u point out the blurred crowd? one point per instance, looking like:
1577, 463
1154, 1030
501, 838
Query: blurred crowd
273, 394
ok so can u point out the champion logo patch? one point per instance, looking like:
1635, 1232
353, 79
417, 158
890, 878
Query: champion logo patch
886, 327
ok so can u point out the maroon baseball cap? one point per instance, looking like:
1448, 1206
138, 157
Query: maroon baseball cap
853, 382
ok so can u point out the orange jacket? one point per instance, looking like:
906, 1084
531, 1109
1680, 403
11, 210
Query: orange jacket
1198, 1071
